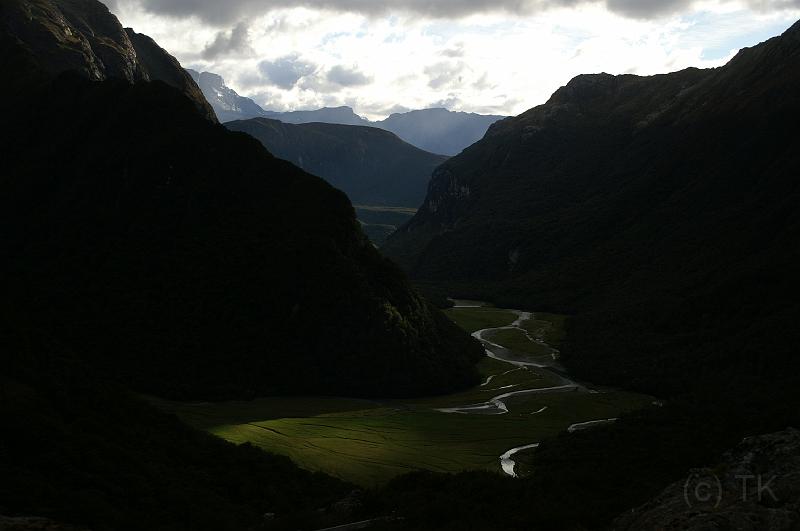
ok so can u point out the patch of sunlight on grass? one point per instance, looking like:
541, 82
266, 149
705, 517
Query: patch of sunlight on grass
369, 442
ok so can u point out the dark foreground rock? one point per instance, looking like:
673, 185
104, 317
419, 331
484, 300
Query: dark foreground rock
755, 487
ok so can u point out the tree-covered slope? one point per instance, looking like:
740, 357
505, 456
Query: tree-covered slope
188, 261
661, 210
372, 166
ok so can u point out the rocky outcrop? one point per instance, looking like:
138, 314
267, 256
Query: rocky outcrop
83, 36
227, 104
207, 265
756, 487
156, 64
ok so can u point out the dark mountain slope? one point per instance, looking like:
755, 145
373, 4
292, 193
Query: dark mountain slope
662, 213
169, 252
83, 36
662, 210
156, 64
88, 453
144, 243
370, 165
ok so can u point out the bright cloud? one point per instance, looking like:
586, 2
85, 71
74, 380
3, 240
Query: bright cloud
492, 60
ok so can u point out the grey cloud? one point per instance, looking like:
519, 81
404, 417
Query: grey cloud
396, 108
454, 52
451, 102
220, 13
444, 74
286, 71
347, 77
646, 8
227, 42
249, 79
773, 5
482, 83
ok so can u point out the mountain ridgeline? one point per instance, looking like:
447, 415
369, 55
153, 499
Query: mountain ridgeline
227, 104
329, 115
181, 256
372, 166
146, 248
99, 160
661, 210
661, 213
83, 36
434, 130
439, 130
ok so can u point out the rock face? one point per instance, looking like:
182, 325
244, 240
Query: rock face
184, 259
83, 36
227, 104
156, 64
756, 487
372, 166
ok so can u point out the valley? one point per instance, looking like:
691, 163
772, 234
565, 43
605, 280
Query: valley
525, 397
378, 222
218, 317
384, 177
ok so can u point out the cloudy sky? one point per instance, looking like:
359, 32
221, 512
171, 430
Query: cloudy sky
488, 56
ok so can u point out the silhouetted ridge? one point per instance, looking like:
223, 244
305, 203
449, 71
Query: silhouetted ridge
631, 201
188, 261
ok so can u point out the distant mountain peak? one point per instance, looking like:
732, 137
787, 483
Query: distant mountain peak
436, 129
439, 130
214, 80
226, 102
